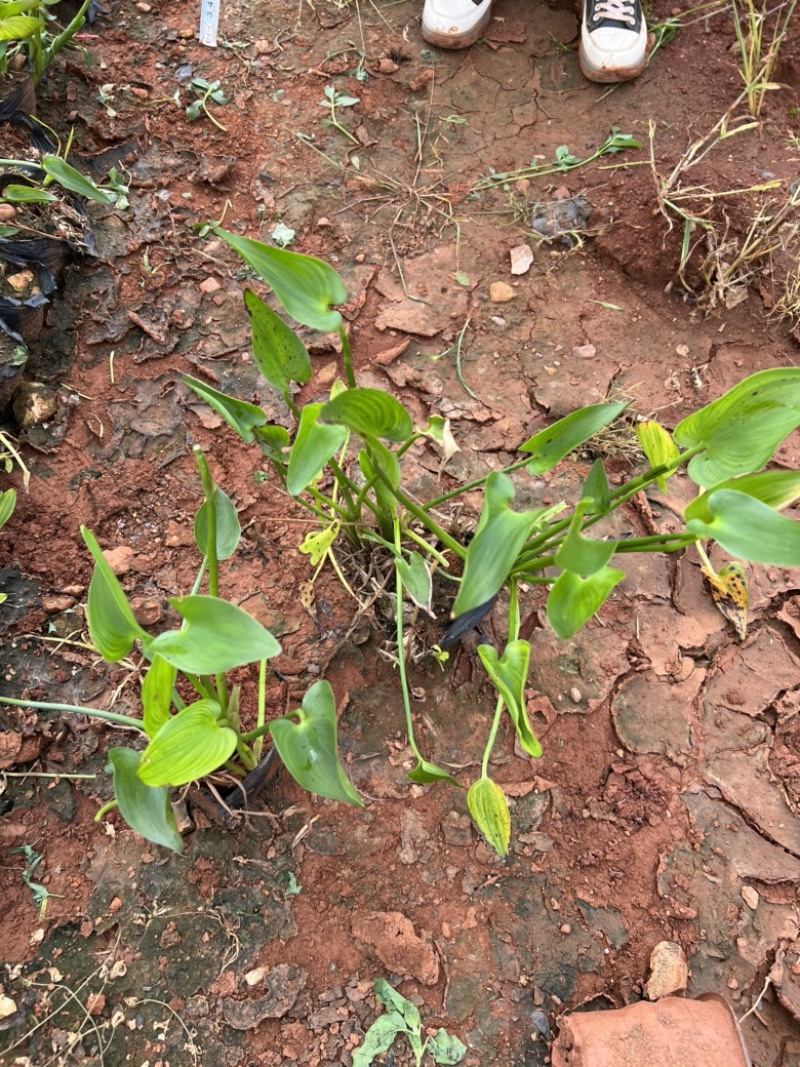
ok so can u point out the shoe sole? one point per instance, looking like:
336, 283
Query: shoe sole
457, 40
609, 75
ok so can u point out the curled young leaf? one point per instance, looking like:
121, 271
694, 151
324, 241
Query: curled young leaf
308, 746
112, 625
229, 530
509, 676
489, 810
658, 446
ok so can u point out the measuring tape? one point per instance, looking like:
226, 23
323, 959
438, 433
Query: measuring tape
209, 22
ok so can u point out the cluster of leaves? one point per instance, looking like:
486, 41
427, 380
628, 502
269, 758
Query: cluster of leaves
185, 741
402, 1019
29, 30
724, 447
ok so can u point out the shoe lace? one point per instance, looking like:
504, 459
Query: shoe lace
619, 10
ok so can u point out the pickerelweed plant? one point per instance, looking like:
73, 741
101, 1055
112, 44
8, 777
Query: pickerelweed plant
723, 447
185, 739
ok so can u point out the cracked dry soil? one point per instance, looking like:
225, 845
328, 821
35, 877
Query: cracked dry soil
666, 803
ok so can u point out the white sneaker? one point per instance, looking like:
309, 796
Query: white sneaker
613, 40
455, 23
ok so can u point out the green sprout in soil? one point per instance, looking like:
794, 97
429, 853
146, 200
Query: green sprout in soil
402, 1019
206, 91
564, 162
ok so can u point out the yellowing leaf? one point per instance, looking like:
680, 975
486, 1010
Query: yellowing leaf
729, 592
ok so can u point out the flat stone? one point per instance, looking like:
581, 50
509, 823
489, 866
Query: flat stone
397, 946
501, 293
669, 972
521, 259
584, 351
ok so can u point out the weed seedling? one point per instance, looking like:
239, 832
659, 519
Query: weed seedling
402, 1019
206, 91
333, 100
564, 161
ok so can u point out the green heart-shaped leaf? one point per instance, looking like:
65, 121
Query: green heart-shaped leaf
111, 621
188, 746
217, 636
425, 773
67, 177
776, 489
549, 446
241, 416
308, 747
583, 555
306, 287
145, 809
369, 413
749, 529
279, 353
573, 599
742, 429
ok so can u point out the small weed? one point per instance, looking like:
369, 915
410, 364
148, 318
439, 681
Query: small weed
333, 100
564, 162
206, 91
402, 1019
39, 892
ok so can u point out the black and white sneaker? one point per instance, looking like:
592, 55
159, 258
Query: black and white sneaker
613, 40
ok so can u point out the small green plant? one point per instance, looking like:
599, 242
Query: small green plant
402, 1019
190, 722
30, 34
52, 171
205, 91
333, 100
564, 161
39, 892
565, 548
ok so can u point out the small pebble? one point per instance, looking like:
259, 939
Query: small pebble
565, 928
584, 351
575, 695
501, 293
750, 896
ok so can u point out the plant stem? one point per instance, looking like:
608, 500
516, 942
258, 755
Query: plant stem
262, 708
401, 651
76, 709
346, 358
209, 492
475, 484
498, 711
